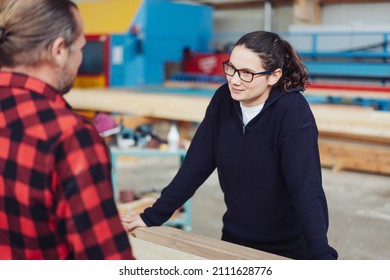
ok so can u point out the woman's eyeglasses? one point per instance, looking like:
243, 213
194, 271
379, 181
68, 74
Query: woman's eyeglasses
244, 75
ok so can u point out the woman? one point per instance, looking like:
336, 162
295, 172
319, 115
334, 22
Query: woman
260, 134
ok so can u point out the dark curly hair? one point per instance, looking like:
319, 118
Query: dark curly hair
275, 53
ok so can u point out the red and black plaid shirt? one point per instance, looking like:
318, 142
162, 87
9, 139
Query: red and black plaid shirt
56, 198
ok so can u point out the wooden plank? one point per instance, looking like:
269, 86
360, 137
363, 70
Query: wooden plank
352, 122
145, 250
198, 245
154, 105
349, 155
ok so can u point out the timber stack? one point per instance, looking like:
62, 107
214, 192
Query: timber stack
351, 137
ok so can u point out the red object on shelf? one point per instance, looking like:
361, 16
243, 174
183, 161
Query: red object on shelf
203, 63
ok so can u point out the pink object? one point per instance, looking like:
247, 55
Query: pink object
127, 196
106, 124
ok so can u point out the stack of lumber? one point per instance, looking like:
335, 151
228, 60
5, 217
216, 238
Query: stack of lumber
354, 138
351, 138
152, 105
158, 243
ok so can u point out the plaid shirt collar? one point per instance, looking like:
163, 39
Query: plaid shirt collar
19, 80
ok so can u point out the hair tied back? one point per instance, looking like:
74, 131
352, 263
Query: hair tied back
3, 35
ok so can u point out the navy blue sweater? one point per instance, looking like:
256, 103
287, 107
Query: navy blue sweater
269, 172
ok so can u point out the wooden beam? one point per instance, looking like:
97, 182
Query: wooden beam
341, 154
179, 107
352, 122
307, 11
145, 250
198, 245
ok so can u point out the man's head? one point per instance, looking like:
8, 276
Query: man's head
42, 34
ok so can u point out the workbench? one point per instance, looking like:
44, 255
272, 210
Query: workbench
167, 243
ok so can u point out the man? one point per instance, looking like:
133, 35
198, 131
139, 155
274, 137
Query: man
56, 198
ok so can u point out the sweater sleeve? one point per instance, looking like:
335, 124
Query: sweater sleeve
300, 163
197, 166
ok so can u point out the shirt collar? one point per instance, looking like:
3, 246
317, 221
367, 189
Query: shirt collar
14, 79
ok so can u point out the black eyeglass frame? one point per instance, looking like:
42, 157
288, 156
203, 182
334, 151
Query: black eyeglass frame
239, 73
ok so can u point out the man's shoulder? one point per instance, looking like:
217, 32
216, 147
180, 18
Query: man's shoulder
70, 122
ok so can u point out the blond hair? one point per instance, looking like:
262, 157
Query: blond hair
29, 27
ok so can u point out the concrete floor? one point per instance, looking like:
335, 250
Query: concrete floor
359, 205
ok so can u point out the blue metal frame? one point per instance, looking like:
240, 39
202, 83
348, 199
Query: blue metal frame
349, 69
359, 55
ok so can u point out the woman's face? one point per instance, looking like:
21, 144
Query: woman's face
248, 93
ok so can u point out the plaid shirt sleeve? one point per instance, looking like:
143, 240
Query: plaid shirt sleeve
86, 211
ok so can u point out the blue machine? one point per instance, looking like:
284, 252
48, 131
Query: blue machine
158, 34
135, 48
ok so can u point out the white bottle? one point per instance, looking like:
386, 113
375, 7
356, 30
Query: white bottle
173, 138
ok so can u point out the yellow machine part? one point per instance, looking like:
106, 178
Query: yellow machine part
108, 17
88, 81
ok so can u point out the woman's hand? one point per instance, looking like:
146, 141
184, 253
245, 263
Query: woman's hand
131, 221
